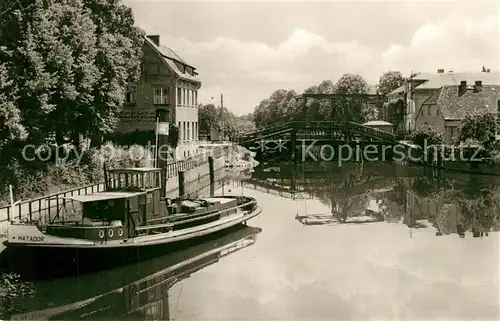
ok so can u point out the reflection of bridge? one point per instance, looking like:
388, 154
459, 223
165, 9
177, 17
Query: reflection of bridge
283, 137
317, 188
145, 295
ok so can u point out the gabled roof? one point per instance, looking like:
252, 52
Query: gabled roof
426, 81
455, 107
435, 81
401, 89
172, 60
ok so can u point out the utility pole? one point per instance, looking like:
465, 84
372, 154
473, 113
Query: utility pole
221, 116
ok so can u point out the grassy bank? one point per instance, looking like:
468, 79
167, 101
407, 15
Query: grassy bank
36, 178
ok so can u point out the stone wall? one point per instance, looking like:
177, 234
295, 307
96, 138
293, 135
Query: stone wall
196, 178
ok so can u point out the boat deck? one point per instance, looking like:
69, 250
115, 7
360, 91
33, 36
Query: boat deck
217, 199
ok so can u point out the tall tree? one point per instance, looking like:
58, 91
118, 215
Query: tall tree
390, 81
352, 108
11, 128
280, 106
70, 62
351, 84
479, 129
208, 117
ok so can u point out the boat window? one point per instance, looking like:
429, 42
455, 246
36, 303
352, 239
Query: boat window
140, 180
103, 210
147, 180
115, 181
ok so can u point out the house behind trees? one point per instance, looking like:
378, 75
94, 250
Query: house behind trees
167, 89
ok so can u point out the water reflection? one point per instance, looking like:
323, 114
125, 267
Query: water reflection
418, 197
134, 292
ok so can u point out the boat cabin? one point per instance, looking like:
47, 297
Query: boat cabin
149, 203
134, 204
133, 179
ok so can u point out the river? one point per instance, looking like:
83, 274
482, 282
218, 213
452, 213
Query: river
373, 241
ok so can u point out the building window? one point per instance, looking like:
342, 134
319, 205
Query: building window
188, 132
192, 131
196, 98
184, 130
184, 97
179, 96
160, 95
180, 131
130, 95
451, 131
189, 96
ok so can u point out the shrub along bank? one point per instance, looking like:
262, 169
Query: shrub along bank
32, 177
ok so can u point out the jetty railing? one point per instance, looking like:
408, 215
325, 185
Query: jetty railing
45, 205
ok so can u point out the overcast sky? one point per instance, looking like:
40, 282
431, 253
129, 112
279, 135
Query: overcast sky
246, 50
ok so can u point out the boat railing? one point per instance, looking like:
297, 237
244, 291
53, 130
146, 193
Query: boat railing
48, 205
45, 208
189, 219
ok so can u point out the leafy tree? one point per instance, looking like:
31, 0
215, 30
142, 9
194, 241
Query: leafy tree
351, 84
396, 113
208, 117
280, 106
76, 57
427, 135
11, 127
390, 81
478, 128
352, 108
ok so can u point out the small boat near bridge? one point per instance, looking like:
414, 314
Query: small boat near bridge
132, 211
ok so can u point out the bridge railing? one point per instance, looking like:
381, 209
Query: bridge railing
318, 126
372, 131
261, 131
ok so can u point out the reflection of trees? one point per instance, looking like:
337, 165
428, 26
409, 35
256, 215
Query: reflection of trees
478, 213
453, 206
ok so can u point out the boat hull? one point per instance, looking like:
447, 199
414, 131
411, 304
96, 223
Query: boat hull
22, 235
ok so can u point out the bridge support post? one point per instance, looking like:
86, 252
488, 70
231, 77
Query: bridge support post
293, 144
211, 174
182, 187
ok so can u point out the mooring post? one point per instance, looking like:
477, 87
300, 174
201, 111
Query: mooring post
211, 174
182, 189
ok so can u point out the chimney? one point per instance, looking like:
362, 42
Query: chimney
462, 89
478, 86
155, 39
440, 71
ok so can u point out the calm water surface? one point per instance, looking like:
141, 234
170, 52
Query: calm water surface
362, 242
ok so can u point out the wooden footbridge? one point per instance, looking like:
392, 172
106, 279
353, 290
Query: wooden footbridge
283, 137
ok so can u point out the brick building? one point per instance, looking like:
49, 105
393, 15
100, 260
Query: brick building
168, 89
